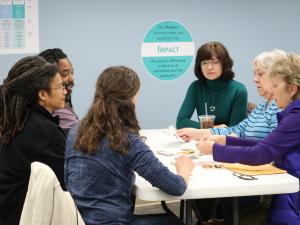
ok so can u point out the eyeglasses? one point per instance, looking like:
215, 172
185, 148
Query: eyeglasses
244, 176
213, 63
61, 87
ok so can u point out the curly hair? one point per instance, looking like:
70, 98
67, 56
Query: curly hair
209, 51
19, 92
288, 68
112, 114
53, 55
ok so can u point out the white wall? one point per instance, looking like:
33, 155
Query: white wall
97, 33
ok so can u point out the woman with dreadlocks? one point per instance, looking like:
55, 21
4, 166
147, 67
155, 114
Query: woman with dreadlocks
32, 90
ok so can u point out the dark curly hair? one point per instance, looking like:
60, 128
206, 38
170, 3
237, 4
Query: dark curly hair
53, 55
112, 114
207, 52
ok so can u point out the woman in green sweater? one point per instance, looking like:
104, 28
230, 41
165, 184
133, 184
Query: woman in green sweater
225, 97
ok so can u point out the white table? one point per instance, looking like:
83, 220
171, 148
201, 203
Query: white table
207, 182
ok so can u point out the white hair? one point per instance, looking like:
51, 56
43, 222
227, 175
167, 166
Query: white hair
266, 59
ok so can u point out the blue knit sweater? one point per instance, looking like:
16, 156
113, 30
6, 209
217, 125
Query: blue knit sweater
261, 121
101, 183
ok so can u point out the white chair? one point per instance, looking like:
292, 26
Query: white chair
46, 203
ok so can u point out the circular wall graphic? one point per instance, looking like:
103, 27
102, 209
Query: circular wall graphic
168, 50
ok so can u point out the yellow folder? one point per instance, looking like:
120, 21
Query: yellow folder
253, 170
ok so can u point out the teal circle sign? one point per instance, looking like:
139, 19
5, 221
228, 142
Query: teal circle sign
168, 50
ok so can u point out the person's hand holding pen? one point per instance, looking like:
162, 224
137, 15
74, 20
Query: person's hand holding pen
188, 134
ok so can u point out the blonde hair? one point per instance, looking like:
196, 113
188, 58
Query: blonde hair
288, 69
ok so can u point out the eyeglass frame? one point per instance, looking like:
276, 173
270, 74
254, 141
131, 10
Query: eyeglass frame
62, 87
244, 176
213, 63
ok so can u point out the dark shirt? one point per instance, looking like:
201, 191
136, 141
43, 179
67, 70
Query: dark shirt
40, 140
102, 183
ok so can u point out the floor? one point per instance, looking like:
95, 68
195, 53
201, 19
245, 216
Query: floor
143, 207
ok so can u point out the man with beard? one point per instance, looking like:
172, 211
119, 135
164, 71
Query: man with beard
67, 115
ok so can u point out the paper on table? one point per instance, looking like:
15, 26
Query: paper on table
253, 170
165, 152
173, 132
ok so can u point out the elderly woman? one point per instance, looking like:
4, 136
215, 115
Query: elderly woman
282, 145
262, 120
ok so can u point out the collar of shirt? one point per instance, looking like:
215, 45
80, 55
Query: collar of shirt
292, 106
40, 109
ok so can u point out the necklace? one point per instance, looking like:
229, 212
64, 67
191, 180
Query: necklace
214, 89
213, 101
212, 108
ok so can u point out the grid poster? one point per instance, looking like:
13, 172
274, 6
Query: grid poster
19, 31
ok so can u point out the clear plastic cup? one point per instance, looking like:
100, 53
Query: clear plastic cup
207, 121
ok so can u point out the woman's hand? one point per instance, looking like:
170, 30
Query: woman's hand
219, 139
184, 167
205, 146
188, 134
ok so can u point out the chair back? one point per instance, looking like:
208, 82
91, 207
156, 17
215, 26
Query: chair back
46, 203
250, 107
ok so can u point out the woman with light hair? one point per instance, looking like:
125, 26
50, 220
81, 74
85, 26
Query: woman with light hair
282, 145
262, 120
259, 123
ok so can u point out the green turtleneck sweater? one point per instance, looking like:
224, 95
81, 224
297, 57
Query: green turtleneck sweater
227, 100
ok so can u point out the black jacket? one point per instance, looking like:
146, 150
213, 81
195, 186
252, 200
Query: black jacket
41, 140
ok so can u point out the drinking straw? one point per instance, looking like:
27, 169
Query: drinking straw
206, 109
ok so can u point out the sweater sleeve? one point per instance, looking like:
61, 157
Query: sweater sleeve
234, 141
238, 129
187, 109
239, 107
149, 167
281, 141
257, 125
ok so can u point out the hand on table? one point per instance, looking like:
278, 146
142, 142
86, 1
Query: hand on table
205, 145
219, 139
188, 134
184, 166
